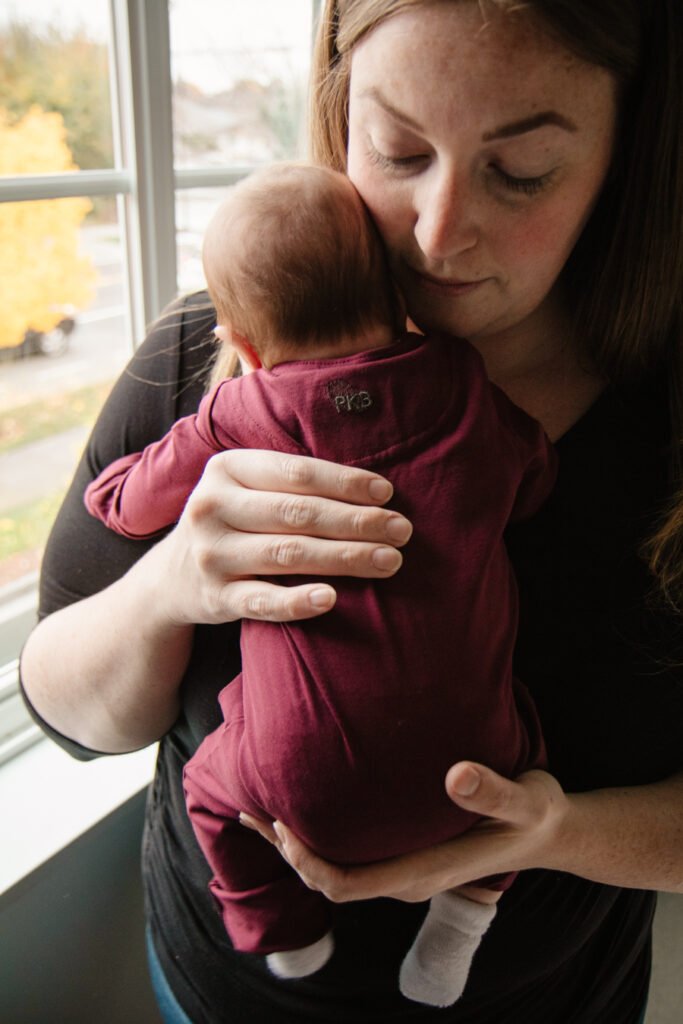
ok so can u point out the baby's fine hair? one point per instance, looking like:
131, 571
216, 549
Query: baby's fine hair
292, 258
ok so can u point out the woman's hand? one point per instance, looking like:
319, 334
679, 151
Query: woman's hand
252, 513
264, 513
522, 829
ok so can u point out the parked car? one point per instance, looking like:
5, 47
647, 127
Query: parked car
54, 341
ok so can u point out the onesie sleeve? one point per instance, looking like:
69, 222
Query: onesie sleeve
536, 456
142, 493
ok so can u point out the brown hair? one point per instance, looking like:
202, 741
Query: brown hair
624, 279
293, 259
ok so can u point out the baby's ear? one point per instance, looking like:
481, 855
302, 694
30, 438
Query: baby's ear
222, 332
249, 357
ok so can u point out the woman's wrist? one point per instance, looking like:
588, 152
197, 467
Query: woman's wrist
628, 837
160, 588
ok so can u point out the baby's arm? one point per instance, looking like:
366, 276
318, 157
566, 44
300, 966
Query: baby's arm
140, 494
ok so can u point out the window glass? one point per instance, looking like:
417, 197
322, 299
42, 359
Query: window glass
62, 335
54, 87
194, 208
240, 74
62, 338
62, 343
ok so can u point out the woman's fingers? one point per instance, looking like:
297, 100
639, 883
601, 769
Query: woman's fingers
528, 816
478, 789
313, 516
264, 828
261, 514
241, 554
262, 494
316, 873
300, 474
523, 804
412, 878
255, 599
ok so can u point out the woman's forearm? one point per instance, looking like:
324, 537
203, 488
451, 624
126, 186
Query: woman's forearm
106, 671
630, 837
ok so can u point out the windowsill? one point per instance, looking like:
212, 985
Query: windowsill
47, 799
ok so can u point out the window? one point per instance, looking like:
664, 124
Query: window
100, 226
240, 78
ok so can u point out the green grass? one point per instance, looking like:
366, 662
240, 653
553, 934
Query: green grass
26, 527
50, 415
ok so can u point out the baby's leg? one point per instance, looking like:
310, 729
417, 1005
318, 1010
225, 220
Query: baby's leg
436, 967
265, 906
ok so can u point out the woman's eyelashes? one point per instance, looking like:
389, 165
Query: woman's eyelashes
395, 163
529, 185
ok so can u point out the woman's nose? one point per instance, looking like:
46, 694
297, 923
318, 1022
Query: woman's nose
446, 222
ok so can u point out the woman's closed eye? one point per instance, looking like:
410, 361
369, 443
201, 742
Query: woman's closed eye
529, 186
396, 162
414, 162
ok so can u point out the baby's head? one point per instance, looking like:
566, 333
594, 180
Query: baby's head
295, 267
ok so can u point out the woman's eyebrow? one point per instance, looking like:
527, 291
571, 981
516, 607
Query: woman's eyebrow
530, 124
376, 96
505, 131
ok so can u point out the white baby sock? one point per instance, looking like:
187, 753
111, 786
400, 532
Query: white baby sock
436, 967
298, 963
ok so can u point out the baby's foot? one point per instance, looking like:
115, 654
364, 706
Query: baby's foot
436, 967
299, 963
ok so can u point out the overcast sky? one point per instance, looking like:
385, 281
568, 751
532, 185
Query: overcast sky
208, 37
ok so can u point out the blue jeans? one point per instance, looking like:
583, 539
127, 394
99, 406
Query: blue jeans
170, 1009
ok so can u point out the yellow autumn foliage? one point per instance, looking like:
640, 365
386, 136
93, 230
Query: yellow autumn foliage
42, 269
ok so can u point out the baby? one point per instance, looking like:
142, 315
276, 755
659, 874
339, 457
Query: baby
344, 726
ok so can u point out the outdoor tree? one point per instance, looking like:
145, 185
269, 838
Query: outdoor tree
62, 72
42, 270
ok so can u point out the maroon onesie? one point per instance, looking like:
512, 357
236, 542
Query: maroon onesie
344, 726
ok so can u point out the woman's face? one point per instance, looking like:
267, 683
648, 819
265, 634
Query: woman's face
480, 151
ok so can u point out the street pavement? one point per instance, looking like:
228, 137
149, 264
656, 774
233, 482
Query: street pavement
39, 468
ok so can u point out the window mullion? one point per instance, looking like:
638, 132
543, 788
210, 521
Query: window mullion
29, 187
142, 49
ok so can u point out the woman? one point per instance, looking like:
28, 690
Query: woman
523, 165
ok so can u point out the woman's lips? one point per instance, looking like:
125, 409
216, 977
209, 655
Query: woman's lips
443, 285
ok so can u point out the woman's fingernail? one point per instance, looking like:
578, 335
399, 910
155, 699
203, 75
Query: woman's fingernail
398, 529
467, 782
279, 832
322, 597
386, 559
380, 490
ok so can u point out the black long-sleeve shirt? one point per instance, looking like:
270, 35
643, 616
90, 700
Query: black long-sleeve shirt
603, 665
